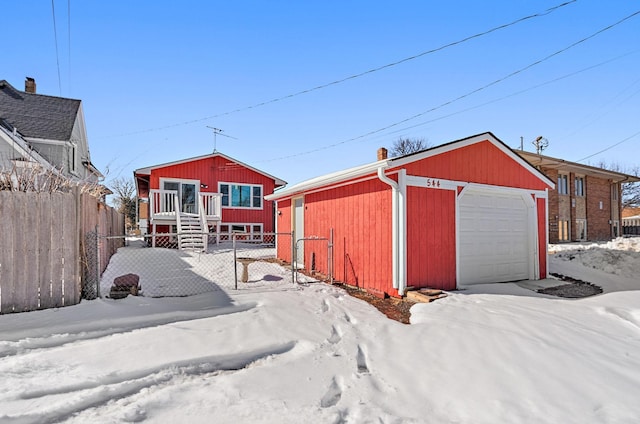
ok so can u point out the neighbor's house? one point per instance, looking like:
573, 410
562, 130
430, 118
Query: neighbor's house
631, 221
470, 211
587, 202
213, 193
48, 130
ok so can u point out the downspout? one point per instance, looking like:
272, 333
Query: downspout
397, 226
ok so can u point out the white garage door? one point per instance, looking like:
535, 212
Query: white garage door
494, 235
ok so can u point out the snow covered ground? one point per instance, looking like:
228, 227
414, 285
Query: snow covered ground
285, 353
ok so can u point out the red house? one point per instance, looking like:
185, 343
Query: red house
213, 193
470, 211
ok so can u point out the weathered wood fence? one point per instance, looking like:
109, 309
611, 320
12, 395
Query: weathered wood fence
42, 238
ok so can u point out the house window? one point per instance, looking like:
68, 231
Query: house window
563, 230
563, 184
74, 157
581, 229
241, 195
579, 186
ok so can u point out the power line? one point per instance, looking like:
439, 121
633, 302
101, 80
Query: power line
358, 75
499, 80
69, 44
516, 93
610, 147
55, 36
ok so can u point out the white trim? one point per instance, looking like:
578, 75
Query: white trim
435, 183
251, 186
402, 231
328, 180
47, 141
252, 235
181, 181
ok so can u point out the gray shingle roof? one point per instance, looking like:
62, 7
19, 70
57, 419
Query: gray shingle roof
37, 115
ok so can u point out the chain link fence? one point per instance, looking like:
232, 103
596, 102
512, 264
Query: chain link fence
244, 262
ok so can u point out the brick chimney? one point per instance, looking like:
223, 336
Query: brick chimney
30, 85
382, 153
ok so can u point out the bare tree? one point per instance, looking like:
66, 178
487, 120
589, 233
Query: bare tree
125, 198
404, 146
630, 191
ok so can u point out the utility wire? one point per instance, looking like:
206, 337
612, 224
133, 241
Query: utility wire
358, 75
516, 93
55, 37
610, 147
512, 74
69, 44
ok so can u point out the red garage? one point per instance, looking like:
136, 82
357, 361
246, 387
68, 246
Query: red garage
466, 212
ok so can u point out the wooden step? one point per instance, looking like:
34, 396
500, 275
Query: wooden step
425, 295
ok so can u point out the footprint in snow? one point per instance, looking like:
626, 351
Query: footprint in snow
325, 305
361, 361
335, 336
350, 319
333, 394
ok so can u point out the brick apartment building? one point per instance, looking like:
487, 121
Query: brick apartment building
586, 204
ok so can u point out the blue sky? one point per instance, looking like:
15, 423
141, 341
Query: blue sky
153, 76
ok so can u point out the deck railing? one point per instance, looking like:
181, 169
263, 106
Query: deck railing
164, 203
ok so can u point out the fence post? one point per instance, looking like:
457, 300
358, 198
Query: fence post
293, 257
98, 263
235, 263
330, 257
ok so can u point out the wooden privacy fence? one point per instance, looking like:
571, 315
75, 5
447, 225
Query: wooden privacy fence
41, 246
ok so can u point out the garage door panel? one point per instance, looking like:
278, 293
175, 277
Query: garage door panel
494, 238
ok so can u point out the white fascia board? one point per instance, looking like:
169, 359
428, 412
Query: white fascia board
21, 146
402, 161
48, 141
327, 180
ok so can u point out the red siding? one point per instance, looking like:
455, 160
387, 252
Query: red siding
469, 164
212, 170
360, 215
431, 238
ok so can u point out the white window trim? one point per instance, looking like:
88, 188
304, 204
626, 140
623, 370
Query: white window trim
221, 183
251, 235
565, 186
582, 185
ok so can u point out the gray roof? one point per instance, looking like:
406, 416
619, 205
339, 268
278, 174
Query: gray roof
37, 115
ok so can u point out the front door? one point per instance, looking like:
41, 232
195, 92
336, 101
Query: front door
187, 194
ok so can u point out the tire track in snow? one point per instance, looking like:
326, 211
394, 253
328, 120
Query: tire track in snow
12, 348
117, 386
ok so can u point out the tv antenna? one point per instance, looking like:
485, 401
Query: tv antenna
216, 133
541, 143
